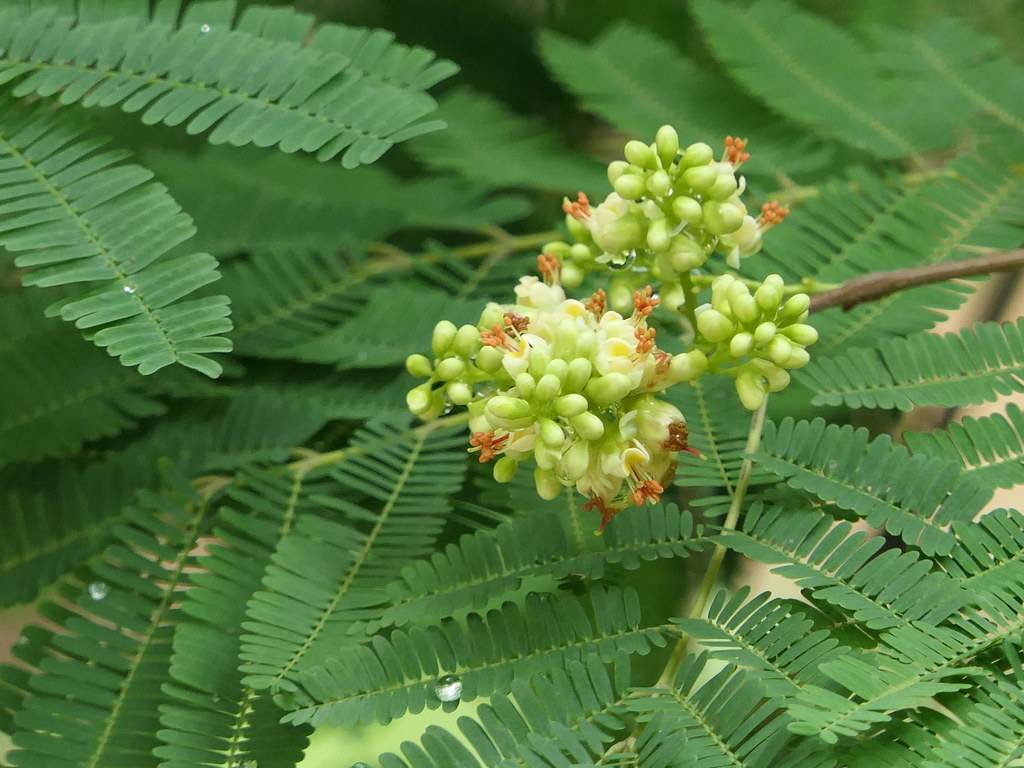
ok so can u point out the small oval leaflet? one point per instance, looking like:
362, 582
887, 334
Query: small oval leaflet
448, 689
98, 590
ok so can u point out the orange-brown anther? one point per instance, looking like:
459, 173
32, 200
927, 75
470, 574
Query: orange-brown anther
488, 445
644, 302
607, 511
644, 339
580, 209
496, 337
662, 360
549, 267
734, 150
648, 490
517, 323
597, 303
679, 438
773, 213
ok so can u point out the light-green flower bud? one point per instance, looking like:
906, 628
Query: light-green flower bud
444, 335
547, 388
579, 374
714, 326
588, 425
673, 296
615, 169
802, 334
419, 366
551, 433
629, 186
764, 333
548, 487
688, 366
685, 253
667, 142
620, 296
658, 235
488, 359
467, 340
751, 389
571, 405
505, 469
768, 297
795, 307
698, 154
722, 218
659, 184
575, 461
545, 456
580, 253
741, 344
508, 408
607, 389
780, 349
526, 384
559, 369
492, 315
450, 368
778, 379
418, 399
640, 154
724, 187
700, 178
572, 275
459, 392
539, 360
798, 358
687, 210
577, 229
744, 308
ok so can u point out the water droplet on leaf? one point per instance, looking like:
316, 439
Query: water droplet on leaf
129, 289
448, 688
204, 29
98, 590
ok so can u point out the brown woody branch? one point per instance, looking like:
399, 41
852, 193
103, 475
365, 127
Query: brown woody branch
878, 284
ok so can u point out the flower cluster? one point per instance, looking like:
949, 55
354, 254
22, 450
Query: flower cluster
569, 384
671, 209
761, 330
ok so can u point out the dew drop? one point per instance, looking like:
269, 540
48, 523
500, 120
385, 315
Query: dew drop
204, 29
448, 408
360, 764
448, 688
129, 289
98, 590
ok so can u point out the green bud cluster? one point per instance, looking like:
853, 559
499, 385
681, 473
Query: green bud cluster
568, 385
755, 336
672, 207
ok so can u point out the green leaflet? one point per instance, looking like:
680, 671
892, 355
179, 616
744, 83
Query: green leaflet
76, 215
912, 496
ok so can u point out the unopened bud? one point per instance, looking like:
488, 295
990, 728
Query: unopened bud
548, 487
802, 334
616, 169
444, 335
640, 154
714, 326
764, 333
539, 360
724, 188
629, 186
505, 469
459, 392
697, 154
467, 340
609, 388
741, 344
551, 433
488, 359
545, 456
685, 253
744, 308
795, 307
780, 349
722, 218
687, 210
768, 297
667, 142
798, 358
450, 368
508, 408
588, 425
571, 405
418, 399
575, 461
493, 314
659, 184
620, 296
419, 366
559, 369
658, 235
700, 178
526, 384
572, 275
580, 253
751, 389
548, 388
688, 366
579, 374
577, 229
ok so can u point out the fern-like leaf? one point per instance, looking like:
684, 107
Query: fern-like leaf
555, 720
490, 563
915, 497
388, 497
93, 699
267, 90
76, 215
974, 366
878, 587
211, 717
990, 448
638, 82
387, 678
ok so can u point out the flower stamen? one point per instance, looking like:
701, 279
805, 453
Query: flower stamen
647, 491
488, 444
607, 511
580, 209
734, 151
644, 339
550, 268
518, 323
644, 302
678, 438
772, 213
496, 337
597, 303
